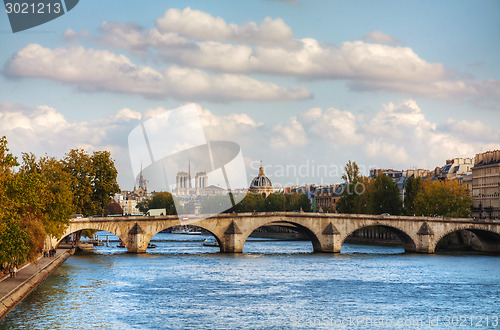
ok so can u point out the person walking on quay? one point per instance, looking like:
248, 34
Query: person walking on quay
15, 271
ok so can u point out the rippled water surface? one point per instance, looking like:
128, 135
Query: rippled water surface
273, 284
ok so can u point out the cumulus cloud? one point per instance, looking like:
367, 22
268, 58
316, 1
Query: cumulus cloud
380, 37
469, 130
398, 136
203, 26
198, 39
289, 134
338, 128
397, 155
95, 70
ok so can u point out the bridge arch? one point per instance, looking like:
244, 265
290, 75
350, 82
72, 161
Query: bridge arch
301, 228
90, 226
197, 224
489, 240
408, 242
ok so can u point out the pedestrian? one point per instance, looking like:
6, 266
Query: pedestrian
15, 271
11, 271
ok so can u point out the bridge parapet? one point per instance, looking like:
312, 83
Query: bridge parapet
327, 231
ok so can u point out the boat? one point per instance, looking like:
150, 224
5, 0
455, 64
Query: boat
121, 245
211, 241
151, 246
193, 232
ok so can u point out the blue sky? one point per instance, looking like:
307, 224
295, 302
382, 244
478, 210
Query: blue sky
394, 84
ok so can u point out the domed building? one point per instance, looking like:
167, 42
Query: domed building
261, 184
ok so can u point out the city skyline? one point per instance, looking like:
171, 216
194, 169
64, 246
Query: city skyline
388, 85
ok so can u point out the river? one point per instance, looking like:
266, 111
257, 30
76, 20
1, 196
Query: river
273, 284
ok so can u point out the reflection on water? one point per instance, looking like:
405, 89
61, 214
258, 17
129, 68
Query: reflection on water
272, 284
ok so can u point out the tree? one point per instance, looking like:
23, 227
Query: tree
216, 204
13, 239
275, 203
251, 203
349, 202
93, 180
162, 200
385, 198
297, 202
103, 178
364, 196
79, 165
448, 198
143, 206
112, 209
412, 188
351, 172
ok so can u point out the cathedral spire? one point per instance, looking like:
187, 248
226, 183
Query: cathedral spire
189, 172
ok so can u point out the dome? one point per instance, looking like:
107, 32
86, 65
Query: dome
261, 181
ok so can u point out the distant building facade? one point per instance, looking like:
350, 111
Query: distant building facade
486, 185
327, 197
128, 199
456, 168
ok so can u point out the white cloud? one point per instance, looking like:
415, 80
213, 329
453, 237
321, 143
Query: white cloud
95, 70
203, 26
398, 136
289, 134
397, 155
381, 37
338, 128
197, 39
469, 130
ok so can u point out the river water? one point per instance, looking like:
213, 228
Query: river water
273, 284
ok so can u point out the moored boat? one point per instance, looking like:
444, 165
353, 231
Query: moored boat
211, 241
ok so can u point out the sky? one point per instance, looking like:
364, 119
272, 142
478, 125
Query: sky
303, 86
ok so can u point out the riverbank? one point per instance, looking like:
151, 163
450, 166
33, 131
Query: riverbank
14, 290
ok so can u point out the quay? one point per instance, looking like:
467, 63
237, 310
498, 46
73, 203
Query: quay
14, 290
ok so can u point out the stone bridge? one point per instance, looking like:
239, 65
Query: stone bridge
326, 231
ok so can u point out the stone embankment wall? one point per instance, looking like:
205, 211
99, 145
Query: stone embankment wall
23, 289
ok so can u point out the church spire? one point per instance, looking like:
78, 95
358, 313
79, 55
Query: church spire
189, 173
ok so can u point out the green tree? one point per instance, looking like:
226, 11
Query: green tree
93, 180
251, 203
363, 200
142, 206
13, 239
216, 204
79, 165
448, 198
348, 203
297, 202
54, 191
351, 172
162, 200
412, 188
104, 184
275, 203
385, 198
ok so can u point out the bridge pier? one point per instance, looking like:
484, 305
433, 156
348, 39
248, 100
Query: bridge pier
137, 240
425, 243
329, 240
233, 240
